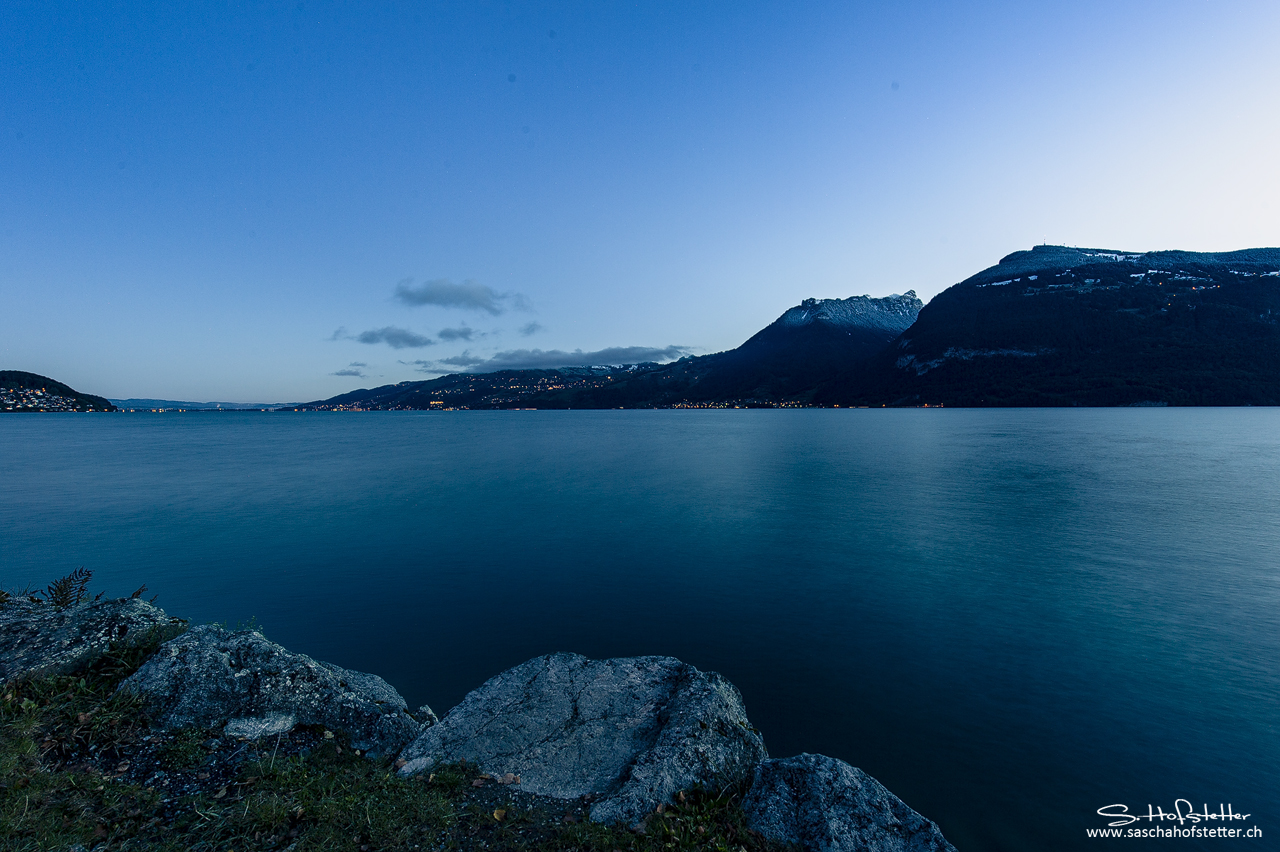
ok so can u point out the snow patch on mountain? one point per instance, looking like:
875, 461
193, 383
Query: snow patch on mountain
891, 313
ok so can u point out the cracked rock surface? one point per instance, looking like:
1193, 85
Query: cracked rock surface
630, 732
251, 687
40, 640
826, 805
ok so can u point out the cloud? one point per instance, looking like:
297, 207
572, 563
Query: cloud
463, 333
431, 368
530, 328
357, 364
469, 295
535, 359
466, 359
396, 338
348, 372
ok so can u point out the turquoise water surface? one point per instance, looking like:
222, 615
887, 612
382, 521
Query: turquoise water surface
1011, 618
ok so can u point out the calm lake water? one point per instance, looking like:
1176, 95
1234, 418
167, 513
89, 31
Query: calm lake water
1009, 617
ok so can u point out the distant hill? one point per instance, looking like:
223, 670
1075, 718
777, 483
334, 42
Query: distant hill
1051, 326
25, 392
184, 405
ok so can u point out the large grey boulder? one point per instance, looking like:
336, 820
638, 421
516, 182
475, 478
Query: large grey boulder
38, 639
826, 805
632, 732
250, 687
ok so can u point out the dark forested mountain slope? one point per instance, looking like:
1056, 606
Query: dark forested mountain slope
20, 391
817, 338
1058, 326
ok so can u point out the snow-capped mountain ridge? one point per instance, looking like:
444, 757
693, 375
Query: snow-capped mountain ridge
890, 313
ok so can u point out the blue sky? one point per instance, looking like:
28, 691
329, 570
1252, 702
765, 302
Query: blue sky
281, 202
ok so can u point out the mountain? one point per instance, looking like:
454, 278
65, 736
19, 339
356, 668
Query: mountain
818, 337
21, 391
1066, 326
780, 364
1052, 326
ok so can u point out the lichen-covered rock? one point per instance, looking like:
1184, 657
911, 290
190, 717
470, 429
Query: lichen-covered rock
826, 805
239, 681
632, 731
40, 640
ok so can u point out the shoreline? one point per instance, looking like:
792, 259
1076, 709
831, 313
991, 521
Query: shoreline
138, 740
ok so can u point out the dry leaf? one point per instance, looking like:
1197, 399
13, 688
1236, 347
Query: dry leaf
500, 814
220, 793
681, 797
401, 763
661, 808
478, 782
509, 778
328, 735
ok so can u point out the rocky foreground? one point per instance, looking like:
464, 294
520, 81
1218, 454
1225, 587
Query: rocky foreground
620, 740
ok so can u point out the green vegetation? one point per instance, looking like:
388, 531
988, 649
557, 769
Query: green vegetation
79, 766
69, 590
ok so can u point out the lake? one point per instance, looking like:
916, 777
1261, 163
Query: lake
1011, 618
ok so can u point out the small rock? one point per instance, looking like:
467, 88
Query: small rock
211, 677
636, 731
826, 805
41, 640
265, 726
